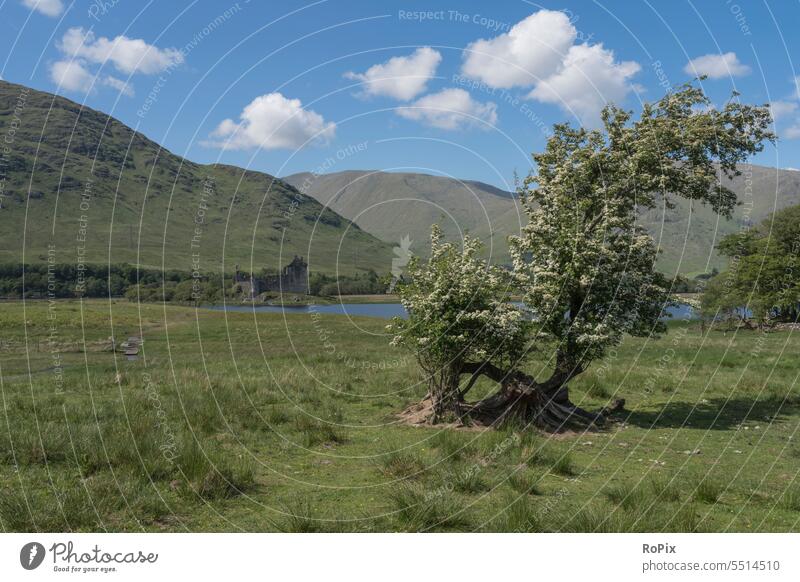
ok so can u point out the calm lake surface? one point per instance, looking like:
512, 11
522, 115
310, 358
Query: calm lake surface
380, 310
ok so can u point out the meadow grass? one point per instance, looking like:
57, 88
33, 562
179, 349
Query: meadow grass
231, 422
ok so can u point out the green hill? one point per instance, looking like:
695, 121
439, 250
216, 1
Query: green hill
78, 185
393, 205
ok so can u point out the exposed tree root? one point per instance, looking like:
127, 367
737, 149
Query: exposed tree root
528, 403
546, 406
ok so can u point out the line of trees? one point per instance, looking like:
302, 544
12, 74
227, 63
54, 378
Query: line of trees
762, 281
64, 280
369, 283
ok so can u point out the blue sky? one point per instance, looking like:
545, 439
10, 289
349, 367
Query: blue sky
284, 87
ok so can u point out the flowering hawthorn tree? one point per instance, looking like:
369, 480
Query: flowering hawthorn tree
582, 264
458, 315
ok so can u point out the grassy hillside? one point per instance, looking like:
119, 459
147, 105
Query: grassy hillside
73, 173
243, 422
393, 205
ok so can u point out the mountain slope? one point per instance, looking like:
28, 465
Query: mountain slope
72, 174
391, 206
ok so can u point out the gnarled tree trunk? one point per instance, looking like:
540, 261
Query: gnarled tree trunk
443, 392
543, 404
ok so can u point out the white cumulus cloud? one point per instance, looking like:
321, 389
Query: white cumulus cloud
402, 78
272, 121
451, 109
540, 52
717, 66
81, 49
786, 113
71, 75
588, 79
128, 55
532, 50
119, 85
47, 7
782, 109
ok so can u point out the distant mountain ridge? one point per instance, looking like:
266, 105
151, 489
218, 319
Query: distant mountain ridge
78, 185
393, 205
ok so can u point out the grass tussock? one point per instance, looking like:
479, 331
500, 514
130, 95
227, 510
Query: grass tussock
708, 491
665, 489
551, 459
526, 483
452, 446
520, 515
654, 517
468, 479
402, 465
418, 510
790, 499
315, 432
598, 391
298, 518
627, 496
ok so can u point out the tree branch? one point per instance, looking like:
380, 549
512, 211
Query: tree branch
470, 384
487, 369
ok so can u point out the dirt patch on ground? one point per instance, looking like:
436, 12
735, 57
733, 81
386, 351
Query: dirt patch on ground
420, 414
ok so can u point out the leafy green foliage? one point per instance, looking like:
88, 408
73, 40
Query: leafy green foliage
458, 313
764, 274
586, 268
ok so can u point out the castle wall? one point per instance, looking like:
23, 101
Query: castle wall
293, 278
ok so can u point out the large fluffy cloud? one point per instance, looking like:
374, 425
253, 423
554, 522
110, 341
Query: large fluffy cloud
588, 79
273, 122
400, 77
716, 66
47, 7
540, 52
128, 55
451, 109
532, 50
81, 49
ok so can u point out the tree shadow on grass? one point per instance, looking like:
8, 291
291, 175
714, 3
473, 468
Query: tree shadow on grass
715, 413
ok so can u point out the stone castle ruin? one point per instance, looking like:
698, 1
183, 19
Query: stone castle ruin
293, 278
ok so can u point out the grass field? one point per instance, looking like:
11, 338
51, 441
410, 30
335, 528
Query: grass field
231, 422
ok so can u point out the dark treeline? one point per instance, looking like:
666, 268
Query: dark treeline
367, 284
61, 281
763, 275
